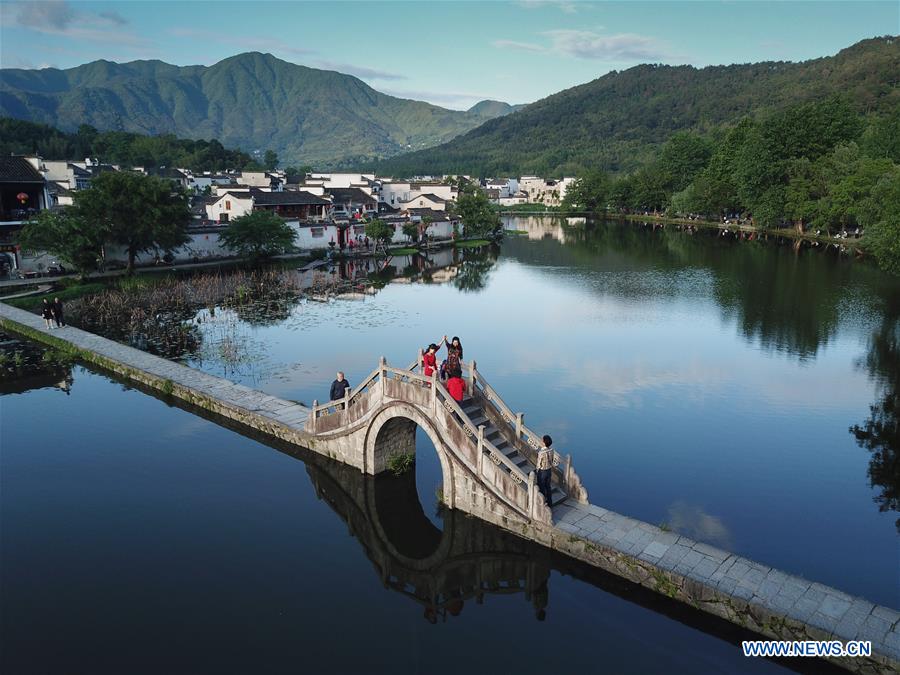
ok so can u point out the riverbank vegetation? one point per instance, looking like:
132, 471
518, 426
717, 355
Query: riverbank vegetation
816, 167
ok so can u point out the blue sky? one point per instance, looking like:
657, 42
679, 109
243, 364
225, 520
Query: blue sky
449, 53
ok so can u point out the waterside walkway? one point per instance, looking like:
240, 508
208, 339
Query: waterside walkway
755, 596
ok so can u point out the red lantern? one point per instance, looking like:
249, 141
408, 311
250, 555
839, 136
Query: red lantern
22, 197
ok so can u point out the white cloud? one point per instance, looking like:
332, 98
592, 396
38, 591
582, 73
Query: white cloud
566, 6
514, 44
586, 44
361, 72
58, 17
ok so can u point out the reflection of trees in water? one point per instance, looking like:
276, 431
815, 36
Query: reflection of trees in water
784, 298
474, 268
880, 433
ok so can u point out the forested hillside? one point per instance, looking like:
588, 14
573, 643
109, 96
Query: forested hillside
118, 147
253, 101
618, 122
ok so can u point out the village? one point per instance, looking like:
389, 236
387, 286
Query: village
327, 211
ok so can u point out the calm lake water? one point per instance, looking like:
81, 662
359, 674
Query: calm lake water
699, 381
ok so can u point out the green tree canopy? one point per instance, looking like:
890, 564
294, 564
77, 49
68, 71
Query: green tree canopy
138, 212
259, 234
379, 231
68, 235
476, 212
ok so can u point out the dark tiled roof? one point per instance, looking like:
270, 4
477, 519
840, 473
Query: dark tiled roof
18, 170
291, 198
429, 196
78, 171
350, 195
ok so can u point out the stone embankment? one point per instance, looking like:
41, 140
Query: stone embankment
753, 595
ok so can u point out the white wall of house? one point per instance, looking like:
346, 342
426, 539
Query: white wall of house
438, 189
423, 202
343, 180
231, 205
394, 193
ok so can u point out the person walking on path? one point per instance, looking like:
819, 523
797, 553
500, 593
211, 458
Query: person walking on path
47, 313
545, 470
58, 312
456, 385
339, 387
454, 354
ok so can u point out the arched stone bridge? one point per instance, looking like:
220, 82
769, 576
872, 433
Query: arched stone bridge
487, 453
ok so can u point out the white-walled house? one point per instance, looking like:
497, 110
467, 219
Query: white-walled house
290, 205
541, 191
425, 201
343, 180
394, 193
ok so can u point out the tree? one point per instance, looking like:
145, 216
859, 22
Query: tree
259, 234
476, 213
881, 218
379, 231
411, 230
68, 235
136, 211
589, 193
270, 160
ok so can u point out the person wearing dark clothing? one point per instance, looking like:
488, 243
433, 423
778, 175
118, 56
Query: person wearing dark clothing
454, 354
47, 313
339, 386
545, 470
58, 313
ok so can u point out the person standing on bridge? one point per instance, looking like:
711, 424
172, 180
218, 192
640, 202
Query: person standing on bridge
339, 387
456, 385
454, 354
545, 470
429, 360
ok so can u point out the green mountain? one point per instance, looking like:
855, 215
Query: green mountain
490, 109
619, 121
253, 101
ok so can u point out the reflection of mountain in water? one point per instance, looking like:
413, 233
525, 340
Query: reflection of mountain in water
782, 297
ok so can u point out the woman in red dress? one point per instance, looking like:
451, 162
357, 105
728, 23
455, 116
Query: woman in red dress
429, 360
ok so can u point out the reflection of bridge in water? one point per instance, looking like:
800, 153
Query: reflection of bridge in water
487, 457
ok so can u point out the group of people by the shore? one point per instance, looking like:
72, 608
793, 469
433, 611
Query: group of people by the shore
52, 313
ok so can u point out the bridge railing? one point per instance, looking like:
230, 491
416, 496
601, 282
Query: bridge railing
340, 410
528, 441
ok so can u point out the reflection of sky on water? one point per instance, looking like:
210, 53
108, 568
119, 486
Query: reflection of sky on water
644, 368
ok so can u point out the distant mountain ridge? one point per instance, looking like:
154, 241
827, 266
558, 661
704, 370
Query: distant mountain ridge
253, 101
489, 109
619, 121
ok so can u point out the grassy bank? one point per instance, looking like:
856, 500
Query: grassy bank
65, 294
471, 243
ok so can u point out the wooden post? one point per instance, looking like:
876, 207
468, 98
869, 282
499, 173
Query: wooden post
472, 379
421, 362
381, 375
312, 415
520, 422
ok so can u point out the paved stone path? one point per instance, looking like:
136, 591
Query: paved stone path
255, 404
741, 590
835, 613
